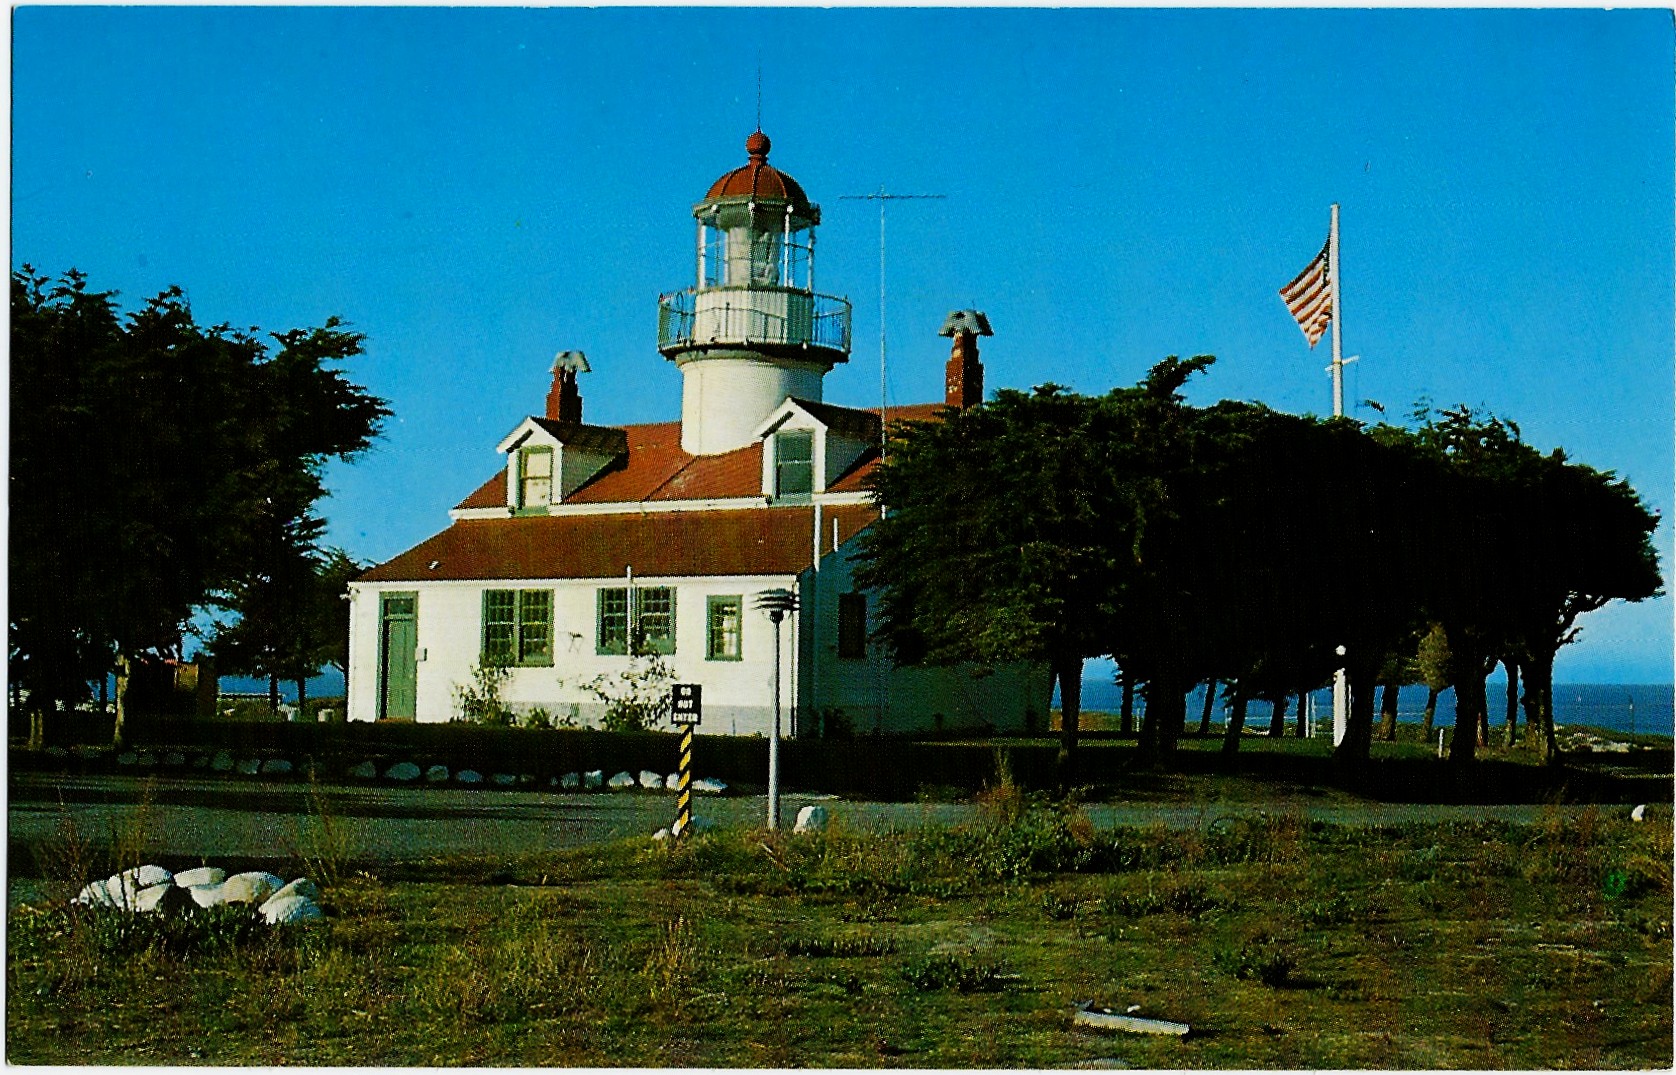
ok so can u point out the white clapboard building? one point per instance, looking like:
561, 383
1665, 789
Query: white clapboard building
593, 548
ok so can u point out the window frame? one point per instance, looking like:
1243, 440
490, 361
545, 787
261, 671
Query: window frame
782, 465
631, 639
525, 453
508, 620
715, 628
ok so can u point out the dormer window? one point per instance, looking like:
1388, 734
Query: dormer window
794, 463
535, 477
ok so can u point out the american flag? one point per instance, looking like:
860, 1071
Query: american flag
1309, 297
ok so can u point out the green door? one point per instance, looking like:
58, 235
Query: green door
398, 656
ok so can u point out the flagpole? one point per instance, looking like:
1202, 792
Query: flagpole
1341, 682
1338, 344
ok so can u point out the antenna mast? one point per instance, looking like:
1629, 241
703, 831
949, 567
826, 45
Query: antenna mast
882, 196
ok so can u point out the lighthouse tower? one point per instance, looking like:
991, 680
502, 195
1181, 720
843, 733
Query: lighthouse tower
753, 331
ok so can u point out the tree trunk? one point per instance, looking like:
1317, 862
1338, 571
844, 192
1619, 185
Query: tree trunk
37, 725
273, 694
1539, 707
1303, 715
1166, 712
1512, 667
1431, 713
1069, 672
1484, 723
1128, 725
1236, 724
1388, 714
302, 698
1210, 702
1470, 707
1277, 716
119, 729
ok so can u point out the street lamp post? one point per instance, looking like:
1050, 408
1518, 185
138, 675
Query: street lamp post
777, 603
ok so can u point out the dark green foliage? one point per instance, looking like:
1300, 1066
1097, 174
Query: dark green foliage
158, 466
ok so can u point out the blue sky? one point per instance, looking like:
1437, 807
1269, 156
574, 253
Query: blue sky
477, 188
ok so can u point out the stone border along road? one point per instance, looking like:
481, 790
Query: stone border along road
192, 820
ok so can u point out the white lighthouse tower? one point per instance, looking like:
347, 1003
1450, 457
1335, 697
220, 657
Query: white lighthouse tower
753, 331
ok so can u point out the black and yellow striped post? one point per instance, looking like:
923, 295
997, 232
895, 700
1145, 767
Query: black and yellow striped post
686, 709
684, 785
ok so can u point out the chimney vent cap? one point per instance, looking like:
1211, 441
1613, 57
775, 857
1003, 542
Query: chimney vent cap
574, 361
967, 323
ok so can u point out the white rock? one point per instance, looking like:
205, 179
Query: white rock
222, 762
404, 771
146, 876
208, 895
621, 780
661, 834
570, 781
250, 766
96, 894
147, 760
526, 779
127, 757
291, 909
468, 776
253, 887
651, 781
200, 875
593, 778
302, 886
505, 780
811, 819
709, 785
174, 759
364, 771
1639, 813
85, 752
436, 774
147, 899
201, 762
276, 765
57, 752
672, 782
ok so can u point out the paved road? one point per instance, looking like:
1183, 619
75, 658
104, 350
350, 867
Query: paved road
192, 819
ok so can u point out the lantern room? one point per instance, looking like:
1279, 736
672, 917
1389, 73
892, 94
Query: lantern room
752, 330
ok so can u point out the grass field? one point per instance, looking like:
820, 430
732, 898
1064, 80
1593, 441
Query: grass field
1281, 942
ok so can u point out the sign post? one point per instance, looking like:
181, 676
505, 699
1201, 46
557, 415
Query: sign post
686, 709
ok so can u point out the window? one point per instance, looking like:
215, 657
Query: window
722, 633
535, 477
641, 620
852, 626
794, 463
518, 627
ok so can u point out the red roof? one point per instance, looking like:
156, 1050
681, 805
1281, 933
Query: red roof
664, 544
758, 180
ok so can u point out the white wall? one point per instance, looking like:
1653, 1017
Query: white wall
726, 395
738, 695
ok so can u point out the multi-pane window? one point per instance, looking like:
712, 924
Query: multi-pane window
636, 621
535, 477
794, 463
852, 626
518, 627
722, 633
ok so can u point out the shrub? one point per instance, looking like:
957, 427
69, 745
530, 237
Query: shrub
635, 699
1259, 958
935, 972
480, 700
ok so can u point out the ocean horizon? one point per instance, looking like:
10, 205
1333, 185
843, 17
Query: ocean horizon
1637, 708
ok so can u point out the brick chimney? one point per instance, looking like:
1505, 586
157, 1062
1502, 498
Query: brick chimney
963, 377
564, 399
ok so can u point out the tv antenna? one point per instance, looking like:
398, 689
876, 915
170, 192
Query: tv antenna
883, 196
